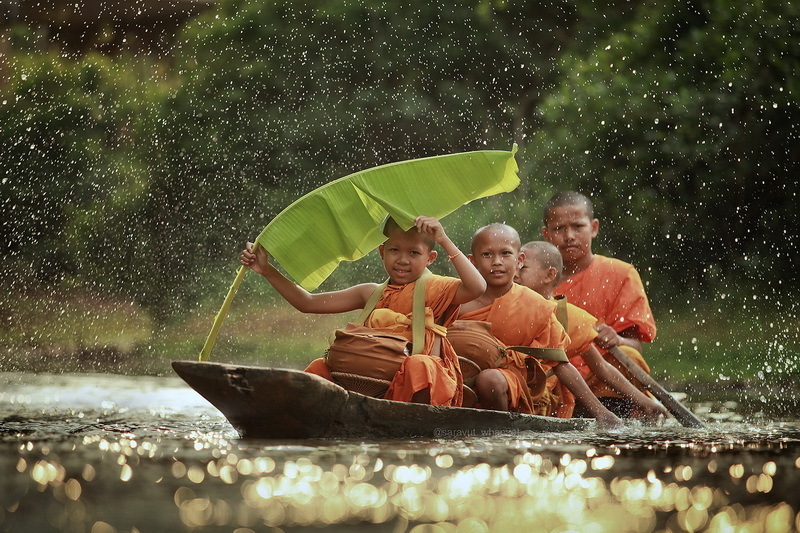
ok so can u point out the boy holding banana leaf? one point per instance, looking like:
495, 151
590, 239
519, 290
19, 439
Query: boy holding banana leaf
431, 375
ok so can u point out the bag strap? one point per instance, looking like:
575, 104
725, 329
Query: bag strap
417, 308
499, 360
551, 354
561, 311
418, 312
372, 301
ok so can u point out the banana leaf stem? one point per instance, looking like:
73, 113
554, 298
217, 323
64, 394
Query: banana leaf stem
223, 312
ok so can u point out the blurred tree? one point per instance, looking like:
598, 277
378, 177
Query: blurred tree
683, 126
72, 152
679, 118
280, 97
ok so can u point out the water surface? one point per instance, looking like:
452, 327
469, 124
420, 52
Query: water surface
103, 453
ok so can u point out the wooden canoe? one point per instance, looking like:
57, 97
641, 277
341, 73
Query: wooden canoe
273, 403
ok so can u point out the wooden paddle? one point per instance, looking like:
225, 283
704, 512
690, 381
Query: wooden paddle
678, 410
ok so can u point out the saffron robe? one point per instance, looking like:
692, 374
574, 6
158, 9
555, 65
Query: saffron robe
581, 332
440, 373
612, 291
580, 328
521, 317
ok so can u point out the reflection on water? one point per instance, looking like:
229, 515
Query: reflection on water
98, 453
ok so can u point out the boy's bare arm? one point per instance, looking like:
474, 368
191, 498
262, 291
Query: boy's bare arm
326, 302
614, 379
607, 337
472, 283
569, 376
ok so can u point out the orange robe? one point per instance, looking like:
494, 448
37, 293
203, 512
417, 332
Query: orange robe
580, 328
441, 374
612, 291
521, 317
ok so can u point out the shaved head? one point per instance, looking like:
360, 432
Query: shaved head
390, 226
568, 198
545, 254
498, 228
541, 268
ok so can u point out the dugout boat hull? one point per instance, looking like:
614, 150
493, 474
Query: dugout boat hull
274, 403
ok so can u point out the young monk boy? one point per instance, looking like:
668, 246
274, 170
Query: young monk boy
519, 317
608, 289
541, 271
406, 254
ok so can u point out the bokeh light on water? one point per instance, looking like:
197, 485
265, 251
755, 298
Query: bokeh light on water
156, 457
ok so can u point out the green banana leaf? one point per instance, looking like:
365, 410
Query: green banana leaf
341, 221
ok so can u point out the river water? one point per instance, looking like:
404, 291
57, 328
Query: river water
102, 453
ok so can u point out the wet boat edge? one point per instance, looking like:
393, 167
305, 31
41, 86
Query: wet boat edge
275, 403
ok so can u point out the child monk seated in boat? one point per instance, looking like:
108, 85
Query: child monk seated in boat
541, 271
430, 375
518, 317
609, 289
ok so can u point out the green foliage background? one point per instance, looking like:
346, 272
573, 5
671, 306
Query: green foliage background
130, 179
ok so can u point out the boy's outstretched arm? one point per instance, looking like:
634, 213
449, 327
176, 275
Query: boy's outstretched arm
472, 283
650, 409
325, 302
569, 376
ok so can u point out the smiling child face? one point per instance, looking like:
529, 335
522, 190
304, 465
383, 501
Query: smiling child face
496, 255
406, 255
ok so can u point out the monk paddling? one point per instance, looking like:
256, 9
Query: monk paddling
518, 316
608, 289
541, 271
422, 377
